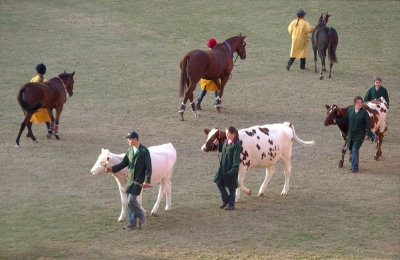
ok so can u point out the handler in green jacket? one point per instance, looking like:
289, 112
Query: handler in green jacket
377, 91
227, 174
138, 160
358, 119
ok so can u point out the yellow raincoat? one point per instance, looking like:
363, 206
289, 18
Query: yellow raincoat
299, 38
41, 115
209, 85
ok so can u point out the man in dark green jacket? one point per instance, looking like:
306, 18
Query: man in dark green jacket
358, 119
138, 160
377, 91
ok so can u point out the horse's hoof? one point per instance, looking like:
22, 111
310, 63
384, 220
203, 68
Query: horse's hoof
16, 146
181, 116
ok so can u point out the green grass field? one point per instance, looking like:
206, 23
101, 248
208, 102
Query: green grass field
126, 55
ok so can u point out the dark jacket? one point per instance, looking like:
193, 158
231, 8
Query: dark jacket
358, 123
139, 169
373, 94
229, 166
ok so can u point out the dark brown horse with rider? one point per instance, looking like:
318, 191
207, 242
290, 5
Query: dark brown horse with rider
212, 65
50, 94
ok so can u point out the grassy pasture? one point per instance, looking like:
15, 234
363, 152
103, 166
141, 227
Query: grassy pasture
126, 57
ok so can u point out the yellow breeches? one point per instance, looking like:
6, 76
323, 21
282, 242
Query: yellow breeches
209, 85
41, 116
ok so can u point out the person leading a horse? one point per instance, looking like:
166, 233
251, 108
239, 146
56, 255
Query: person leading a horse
208, 85
42, 115
299, 29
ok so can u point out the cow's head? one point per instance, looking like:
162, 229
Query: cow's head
101, 163
332, 112
213, 134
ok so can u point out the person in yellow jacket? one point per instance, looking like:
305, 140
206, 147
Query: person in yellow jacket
208, 85
41, 115
299, 29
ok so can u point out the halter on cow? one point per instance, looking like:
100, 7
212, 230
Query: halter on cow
212, 65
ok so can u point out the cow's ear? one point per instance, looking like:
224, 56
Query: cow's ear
206, 131
221, 135
328, 107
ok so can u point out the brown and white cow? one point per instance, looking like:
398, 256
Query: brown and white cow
262, 147
377, 111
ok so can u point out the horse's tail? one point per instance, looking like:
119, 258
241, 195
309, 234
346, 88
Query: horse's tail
24, 105
332, 45
183, 81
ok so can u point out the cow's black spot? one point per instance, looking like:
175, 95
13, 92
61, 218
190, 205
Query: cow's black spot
264, 130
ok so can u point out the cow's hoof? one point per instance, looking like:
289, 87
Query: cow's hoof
16, 146
48, 136
340, 164
283, 194
121, 220
57, 137
376, 158
321, 77
260, 194
35, 141
154, 214
249, 193
196, 113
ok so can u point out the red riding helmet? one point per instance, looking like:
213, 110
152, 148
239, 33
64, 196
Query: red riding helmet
211, 43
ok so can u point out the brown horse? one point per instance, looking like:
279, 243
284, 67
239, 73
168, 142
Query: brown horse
49, 94
324, 38
212, 65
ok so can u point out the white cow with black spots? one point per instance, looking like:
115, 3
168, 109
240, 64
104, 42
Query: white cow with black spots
262, 147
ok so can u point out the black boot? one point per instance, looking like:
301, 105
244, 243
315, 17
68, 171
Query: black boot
302, 63
198, 105
290, 62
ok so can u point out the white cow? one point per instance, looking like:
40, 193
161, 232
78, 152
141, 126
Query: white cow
262, 147
163, 158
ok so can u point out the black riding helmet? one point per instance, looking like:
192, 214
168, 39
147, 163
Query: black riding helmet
41, 68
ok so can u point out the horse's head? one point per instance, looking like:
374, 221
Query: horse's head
241, 50
68, 80
324, 18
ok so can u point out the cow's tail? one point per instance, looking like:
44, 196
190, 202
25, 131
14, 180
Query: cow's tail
183, 81
25, 106
298, 139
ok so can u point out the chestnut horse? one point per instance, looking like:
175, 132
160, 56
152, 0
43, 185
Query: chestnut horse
212, 65
49, 94
323, 38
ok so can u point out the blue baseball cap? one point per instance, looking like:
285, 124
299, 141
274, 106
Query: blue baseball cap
132, 134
